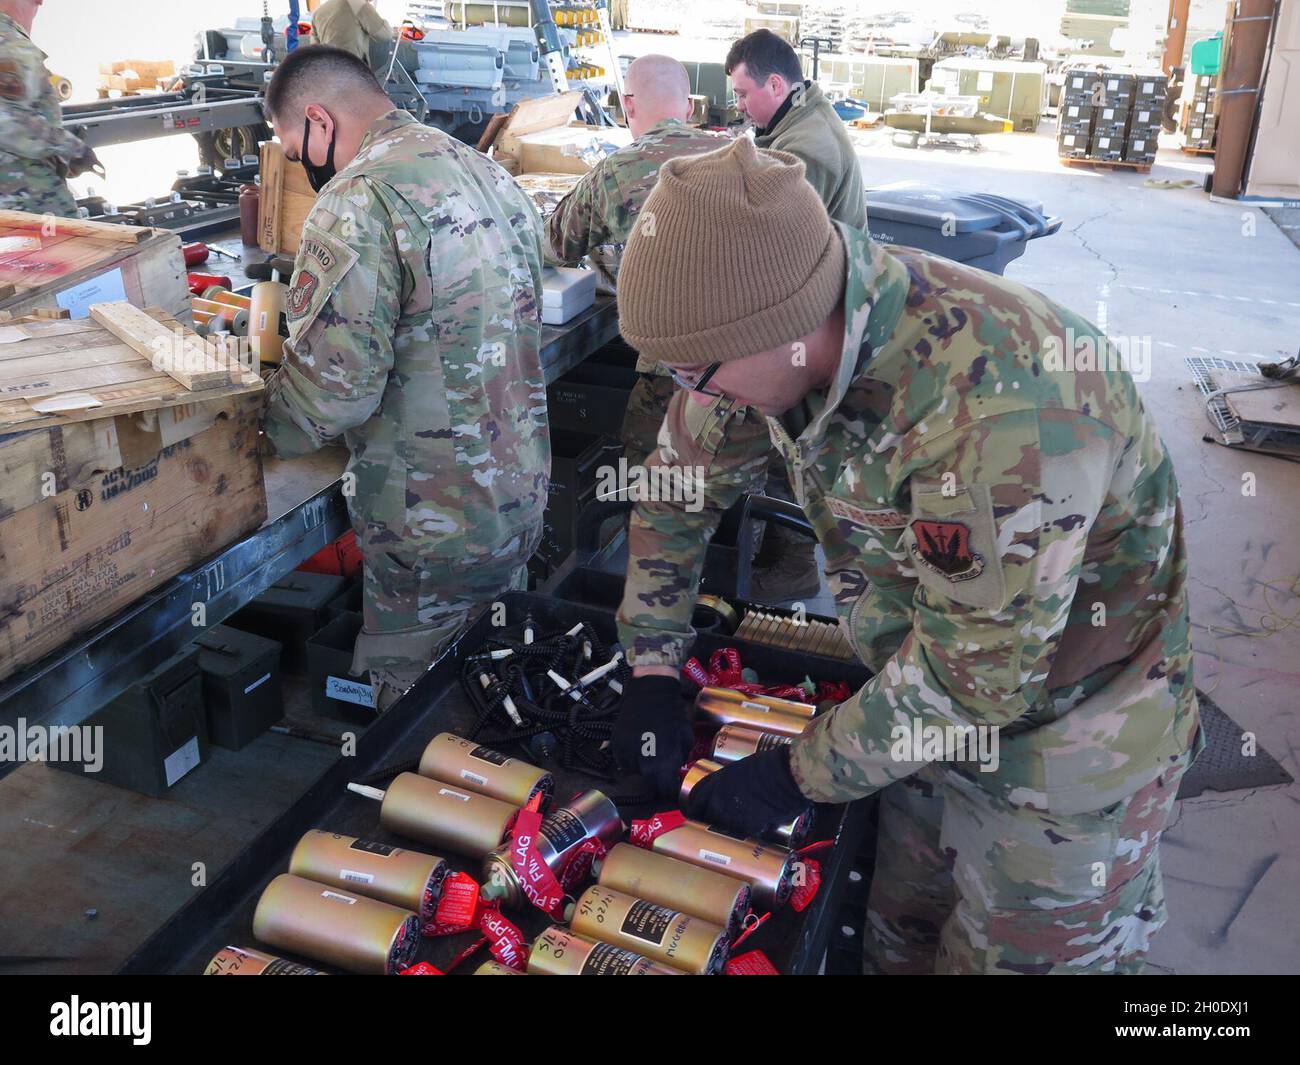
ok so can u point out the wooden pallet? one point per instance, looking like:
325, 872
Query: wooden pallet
1104, 164
1189, 150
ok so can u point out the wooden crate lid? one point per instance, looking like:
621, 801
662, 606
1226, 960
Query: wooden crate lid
56, 371
37, 250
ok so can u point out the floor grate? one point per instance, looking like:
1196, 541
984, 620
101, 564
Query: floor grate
1202, 368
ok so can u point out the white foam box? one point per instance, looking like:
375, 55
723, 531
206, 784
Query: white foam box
566, 293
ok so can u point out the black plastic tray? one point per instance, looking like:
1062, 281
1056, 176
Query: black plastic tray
222, 913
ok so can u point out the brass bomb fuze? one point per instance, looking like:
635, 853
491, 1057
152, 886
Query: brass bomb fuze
463, 762
590, 815
767, 869
721, 706
495, 968
790, 834
400, 877
240, 961
442, 815
696, 946
558, 952
734, 742
715, 897
337, 927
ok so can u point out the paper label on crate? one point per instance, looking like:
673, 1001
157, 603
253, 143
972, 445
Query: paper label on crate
647, 922
1073, 112
106, 288
354, 876
473, 778
1143, 118
334, 896
181, 761
460, 795
258, 683
1103, 142
349, 691
714, 858
1139, 145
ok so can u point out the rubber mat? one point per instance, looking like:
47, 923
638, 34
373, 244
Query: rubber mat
1222, 766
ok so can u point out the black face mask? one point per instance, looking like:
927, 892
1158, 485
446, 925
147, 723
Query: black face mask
317, 176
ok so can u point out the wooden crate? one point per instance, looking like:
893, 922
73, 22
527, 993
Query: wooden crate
100, 504
285, 202
53, 263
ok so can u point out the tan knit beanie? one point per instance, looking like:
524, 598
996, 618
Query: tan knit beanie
732, 254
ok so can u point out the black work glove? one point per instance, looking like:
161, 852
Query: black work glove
652, 735
84, 162
750, 796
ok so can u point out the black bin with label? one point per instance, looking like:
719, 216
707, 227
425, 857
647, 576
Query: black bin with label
241, 685
155, 732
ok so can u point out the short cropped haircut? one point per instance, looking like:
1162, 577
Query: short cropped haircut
312, 67
765, 54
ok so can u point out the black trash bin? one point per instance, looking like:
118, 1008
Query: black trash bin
975, 228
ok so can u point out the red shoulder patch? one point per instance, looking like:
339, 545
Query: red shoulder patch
944, 546
299, 297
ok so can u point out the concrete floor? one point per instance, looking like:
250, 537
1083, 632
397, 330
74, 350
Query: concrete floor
1196, 277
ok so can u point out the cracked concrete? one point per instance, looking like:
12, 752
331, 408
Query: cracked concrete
1232, 862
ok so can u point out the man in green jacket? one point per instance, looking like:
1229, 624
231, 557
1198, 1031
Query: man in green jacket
793, 115
1003, 535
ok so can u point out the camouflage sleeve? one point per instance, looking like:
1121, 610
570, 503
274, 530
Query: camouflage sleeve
1001, 511
342, 306
580, 222
25, 126
719, 451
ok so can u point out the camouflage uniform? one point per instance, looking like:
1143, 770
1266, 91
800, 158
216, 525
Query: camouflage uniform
1004, 539
598, 216
415, 334
35, 149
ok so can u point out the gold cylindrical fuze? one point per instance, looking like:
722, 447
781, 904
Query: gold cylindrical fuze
790, 834
495, 968
692, 944
715, 897
558, 952
784, 706
734, 742
403, 878
767, 869
337, 927
445, 816
718, 707
463, 762
588, 816
240, 961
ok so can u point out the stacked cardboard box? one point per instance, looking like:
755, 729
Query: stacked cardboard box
1202, 112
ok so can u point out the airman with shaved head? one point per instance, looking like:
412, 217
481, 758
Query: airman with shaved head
597, 217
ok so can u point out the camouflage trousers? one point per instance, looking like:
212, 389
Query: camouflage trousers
966, 882
27, 185
413, 607
647, 407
